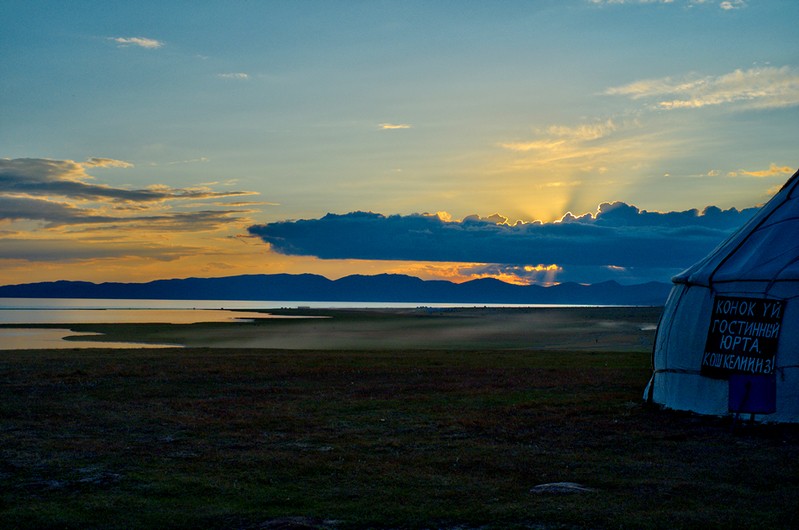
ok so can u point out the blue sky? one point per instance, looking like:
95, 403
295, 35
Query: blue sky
149, 140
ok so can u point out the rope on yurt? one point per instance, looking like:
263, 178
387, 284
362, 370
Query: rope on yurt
774, 279
795, 176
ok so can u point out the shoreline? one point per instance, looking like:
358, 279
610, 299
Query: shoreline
464, 328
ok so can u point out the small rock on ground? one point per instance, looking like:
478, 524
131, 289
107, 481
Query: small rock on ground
561, 487
295, 523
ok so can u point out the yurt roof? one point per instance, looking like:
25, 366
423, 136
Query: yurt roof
765, 250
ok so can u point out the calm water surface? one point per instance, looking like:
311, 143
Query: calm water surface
95, 311
25, 311
35, 339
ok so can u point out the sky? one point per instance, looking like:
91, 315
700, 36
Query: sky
529, 141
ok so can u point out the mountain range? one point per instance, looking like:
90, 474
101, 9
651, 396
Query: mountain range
355, 288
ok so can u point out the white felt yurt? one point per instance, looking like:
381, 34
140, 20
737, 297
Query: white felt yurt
728, 340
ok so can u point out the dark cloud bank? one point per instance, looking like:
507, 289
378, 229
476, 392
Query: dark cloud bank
617, 237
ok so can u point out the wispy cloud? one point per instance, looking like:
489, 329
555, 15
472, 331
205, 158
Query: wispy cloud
567, 151
72, 250
238, 76
725, 5
66, 178
620, 2
773, 171
562, 138
586, 131
756, 88
391, 126
53, 213
59, 214
105, 162
61, 192
141, 42
732, 4
201, 160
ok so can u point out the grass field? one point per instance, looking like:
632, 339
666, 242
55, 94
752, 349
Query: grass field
389, 437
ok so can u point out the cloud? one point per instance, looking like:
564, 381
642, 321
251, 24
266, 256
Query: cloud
565, 139
240, 76
142, 42
392, 126
52, 212
635, 2
617, 234
201, 160
725, 5
197, 221
516, 274
105, 162
60, 193
732, 4
596, 147
70, 250
67, 178
58, 214
773, 171
756, 88
586, 131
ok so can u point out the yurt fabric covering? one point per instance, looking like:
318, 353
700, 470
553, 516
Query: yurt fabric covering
728, 339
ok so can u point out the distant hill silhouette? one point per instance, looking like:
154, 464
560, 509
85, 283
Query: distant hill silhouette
355, 288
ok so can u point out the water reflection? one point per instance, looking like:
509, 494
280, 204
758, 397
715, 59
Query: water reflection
124, 316
34, 339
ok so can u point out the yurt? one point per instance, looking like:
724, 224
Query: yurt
728, 339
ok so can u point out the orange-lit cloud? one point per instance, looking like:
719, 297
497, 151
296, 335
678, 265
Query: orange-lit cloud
105, 162
444, 216
392, 126
464, 272
773, 171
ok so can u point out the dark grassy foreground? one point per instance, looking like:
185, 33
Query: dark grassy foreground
213, 438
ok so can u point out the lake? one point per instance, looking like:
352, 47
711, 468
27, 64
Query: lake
21, 313
27, 311
95, 310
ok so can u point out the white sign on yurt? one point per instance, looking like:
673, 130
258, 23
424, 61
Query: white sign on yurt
742, 337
